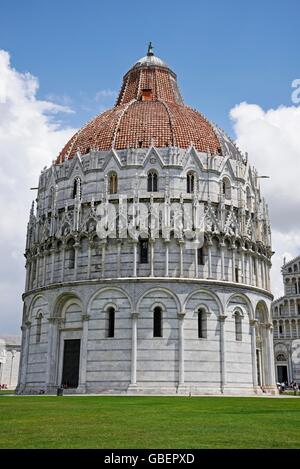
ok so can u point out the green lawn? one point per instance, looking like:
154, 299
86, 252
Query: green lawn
148, 422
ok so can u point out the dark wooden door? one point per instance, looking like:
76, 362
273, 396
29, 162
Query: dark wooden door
70, 374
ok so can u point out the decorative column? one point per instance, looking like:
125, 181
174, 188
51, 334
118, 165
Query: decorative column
257, 280
266, 275
167, 244
119, 242
222, 318
151, 243
196, 262
209, 245
52, 354
181, 244
233, 263
134, 273
181, 316
76, 247
52, 264
84, 351
24, 357
222, 248
253, 325
103, 257
243, 265
271, 383
134, 319
63, 253
38, 256
89, 266
43, 265
250, 268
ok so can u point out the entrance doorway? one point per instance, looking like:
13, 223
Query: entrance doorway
70, 374
282, 373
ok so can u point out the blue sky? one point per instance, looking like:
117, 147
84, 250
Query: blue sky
224, 52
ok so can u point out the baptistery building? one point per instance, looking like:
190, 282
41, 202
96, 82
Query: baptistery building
148, 254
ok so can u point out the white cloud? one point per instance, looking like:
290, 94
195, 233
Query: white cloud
272, 139
30, 138
106, 95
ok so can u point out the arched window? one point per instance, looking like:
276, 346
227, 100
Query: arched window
226, 188
111, 322
157, 322
77, 188
202, 324
113, 183
238, 325
39, 327
190, 182
152, 181
144, 251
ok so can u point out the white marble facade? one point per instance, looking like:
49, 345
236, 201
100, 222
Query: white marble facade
74, 279
10, 348
286, 322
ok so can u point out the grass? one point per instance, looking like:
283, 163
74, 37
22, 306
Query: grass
148, 422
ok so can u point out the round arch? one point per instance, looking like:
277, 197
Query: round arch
262, 309
165, 290
214, 296
33, 303
63, 301
246, 300
103, 289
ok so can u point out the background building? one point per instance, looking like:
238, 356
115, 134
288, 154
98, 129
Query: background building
286, 321
10, 348
152, 311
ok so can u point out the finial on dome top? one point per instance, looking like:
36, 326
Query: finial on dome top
150, 49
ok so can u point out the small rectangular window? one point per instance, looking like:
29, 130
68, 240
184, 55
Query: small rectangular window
144, 251
237, 274
111, 323
157, 322
200, 256
202, 324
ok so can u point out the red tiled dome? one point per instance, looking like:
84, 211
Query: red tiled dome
149, 110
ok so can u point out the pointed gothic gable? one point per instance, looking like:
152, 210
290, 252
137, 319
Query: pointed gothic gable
153, 158
191, 160
76, 167
226, 169
111, 160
